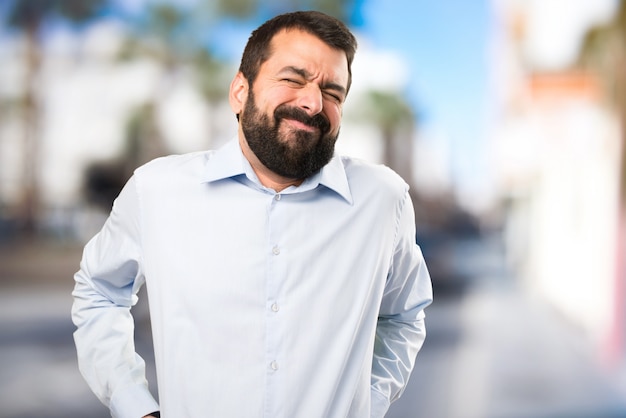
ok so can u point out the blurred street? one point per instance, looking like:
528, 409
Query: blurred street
506, 118
491, 352
39, 376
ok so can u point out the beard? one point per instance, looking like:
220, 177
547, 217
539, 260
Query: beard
292, 154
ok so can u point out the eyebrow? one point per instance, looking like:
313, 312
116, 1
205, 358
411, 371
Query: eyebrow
306, 75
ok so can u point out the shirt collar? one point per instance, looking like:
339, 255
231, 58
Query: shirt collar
226, 162
229, 161
334, 177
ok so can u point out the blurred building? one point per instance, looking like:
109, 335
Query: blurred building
557, 152
87, 99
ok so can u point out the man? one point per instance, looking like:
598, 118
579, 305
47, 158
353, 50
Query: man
283, 281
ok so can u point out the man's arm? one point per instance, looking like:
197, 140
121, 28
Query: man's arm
105, 289
400, 332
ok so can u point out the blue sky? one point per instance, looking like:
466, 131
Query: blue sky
445, 45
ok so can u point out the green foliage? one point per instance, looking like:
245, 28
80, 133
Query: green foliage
212, 76
29, 14
604, 53
387, 109
240, 9
247, 9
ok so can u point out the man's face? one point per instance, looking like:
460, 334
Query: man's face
292, 114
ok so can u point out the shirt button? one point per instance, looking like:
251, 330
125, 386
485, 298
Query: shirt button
277, 196
275, 307
274, 365
276, 250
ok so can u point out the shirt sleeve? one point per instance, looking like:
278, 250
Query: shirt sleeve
400, 332
105, 289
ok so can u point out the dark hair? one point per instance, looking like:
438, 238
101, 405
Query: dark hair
328, 29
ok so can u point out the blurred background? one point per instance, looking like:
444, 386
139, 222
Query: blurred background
507, 117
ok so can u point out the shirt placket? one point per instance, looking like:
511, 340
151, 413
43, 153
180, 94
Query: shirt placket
274, 323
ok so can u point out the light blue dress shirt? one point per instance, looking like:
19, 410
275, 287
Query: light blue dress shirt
304, 303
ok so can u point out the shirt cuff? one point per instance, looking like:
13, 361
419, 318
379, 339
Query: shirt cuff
380, 404
132, 402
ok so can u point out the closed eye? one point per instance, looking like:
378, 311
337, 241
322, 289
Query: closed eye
292, 81
333, 96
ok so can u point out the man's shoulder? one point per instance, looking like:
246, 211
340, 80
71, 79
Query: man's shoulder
363, 173
171, 167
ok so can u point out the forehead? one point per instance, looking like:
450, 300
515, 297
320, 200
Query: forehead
300, 49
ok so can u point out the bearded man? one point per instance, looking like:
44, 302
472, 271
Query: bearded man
283, 280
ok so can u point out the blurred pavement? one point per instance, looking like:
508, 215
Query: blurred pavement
38, 372
490, 352
494, 352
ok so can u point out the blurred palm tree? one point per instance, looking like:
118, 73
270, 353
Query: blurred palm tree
604, 53
159, 36
29, 18
181, 38
175, 36
246, 9
396, 119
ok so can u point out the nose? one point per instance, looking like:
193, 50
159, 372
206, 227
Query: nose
310, 99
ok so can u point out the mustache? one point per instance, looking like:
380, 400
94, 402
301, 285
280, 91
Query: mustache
316, 121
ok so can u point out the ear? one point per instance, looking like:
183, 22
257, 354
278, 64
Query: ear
238, 93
